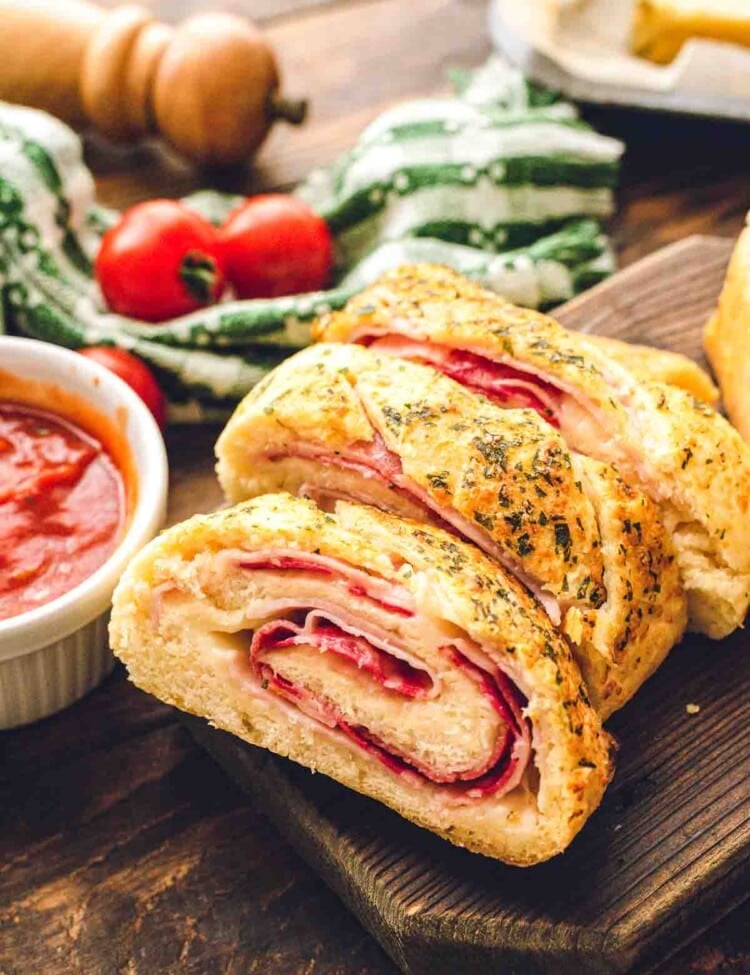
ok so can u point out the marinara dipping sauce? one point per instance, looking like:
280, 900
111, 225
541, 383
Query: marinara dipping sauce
62, 506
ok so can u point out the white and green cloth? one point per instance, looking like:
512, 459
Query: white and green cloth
501, 181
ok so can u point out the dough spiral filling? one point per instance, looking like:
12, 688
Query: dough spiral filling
393, 683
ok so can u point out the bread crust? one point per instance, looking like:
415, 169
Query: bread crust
645, 614
652, 365
661, 27
449, 580
682, 453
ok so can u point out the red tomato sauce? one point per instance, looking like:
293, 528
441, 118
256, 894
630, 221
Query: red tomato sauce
62, 506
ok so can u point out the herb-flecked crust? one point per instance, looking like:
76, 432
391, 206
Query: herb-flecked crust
506, 471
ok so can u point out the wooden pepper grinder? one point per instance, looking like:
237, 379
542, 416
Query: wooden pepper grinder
209, 86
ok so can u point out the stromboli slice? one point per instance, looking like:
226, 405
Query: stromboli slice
340, 422
683, 454
384, 653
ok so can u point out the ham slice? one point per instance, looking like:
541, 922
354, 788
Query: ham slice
372, 459
393, 598
502, 384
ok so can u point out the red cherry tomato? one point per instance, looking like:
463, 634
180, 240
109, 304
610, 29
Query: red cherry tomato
135, 373
276, 245
159, 261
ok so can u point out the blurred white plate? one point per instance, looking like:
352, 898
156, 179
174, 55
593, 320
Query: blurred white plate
581, 49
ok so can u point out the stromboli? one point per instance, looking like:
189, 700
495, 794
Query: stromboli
434, 682
387, 652
679, 451
339, 421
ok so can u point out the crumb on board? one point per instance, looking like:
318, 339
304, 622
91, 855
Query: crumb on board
692, 708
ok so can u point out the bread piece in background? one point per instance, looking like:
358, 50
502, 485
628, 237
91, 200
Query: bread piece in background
659, 366
661, 27
727, 337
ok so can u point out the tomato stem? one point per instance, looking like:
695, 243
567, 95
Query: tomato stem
198, 272
292, 110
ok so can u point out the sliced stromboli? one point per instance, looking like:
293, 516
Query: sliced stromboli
684, 455
387, 654
341, 422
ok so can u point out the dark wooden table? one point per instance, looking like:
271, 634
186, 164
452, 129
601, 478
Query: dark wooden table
123, 849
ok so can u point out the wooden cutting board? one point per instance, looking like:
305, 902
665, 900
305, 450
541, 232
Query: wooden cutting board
665, 856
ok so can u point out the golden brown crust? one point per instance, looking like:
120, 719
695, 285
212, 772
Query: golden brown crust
450, 580
706, 466
435, 303
401, 292
649, 364
646, 611
727, 337
682, 453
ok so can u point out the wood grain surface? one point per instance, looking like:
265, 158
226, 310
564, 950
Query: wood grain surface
124, 850
669, 849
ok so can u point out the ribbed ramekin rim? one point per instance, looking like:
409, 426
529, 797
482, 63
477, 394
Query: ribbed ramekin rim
47, 624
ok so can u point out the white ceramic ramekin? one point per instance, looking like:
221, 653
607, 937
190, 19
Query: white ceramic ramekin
52, 655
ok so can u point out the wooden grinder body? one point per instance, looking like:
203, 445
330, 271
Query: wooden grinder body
207, 85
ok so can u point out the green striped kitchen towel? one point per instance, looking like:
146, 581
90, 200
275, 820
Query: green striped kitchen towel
501, 181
